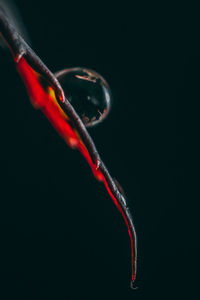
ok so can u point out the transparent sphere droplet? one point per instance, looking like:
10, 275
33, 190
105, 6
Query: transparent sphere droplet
88, 92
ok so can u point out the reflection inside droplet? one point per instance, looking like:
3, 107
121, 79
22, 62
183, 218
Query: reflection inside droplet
88, 92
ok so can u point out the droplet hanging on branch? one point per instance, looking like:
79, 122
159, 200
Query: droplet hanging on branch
88, 92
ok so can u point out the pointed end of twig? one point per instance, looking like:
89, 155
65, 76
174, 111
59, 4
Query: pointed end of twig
19, 56
132, 285
61, 95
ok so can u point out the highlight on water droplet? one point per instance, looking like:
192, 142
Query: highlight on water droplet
88, 92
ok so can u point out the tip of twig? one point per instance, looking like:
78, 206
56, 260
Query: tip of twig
61, 96
132, 285
18, 57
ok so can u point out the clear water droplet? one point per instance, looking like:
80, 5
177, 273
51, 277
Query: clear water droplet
88, 92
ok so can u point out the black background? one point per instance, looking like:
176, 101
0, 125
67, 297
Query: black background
61, 237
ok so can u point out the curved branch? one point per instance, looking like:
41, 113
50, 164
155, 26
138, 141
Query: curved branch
22, 54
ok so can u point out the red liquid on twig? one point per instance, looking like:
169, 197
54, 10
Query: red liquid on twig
46, 102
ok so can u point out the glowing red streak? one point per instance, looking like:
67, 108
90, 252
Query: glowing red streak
43, 100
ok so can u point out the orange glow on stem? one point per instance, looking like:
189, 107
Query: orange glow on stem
46, 101
43, 100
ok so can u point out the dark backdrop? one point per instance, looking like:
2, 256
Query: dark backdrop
61, 235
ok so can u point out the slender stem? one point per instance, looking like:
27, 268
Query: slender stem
19, 49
